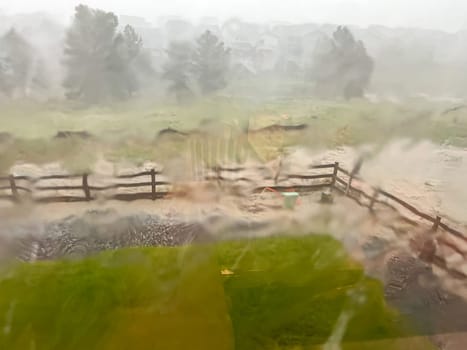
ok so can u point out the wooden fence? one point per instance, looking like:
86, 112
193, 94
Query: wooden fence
30, 188
334, 177
343, 181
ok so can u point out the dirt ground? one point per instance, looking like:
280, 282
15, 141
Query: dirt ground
428, 176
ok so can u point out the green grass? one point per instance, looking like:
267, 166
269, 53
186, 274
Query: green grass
367, 121
284, 293
128, 131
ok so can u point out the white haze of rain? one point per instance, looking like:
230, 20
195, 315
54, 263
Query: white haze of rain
447, 15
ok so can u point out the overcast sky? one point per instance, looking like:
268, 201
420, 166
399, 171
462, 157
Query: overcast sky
449, 15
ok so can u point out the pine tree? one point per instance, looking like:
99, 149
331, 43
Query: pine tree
127, 47
211, 63
18, 69
88, 51
101, 63
178, 68
343, 67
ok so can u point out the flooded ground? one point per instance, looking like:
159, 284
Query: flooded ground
427, 176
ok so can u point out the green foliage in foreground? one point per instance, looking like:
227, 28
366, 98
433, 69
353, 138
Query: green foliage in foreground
284, 293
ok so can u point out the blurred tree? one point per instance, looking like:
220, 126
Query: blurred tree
211, 63
177, 70
6, 74
341, 66
130, 64
101, 63
19, 66
88, 49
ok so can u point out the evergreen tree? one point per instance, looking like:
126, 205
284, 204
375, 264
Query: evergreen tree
19, 66
124, 76
101, 63
342, 66
139, 67
178, 68
211, 63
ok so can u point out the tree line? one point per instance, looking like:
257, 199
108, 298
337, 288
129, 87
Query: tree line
104, 63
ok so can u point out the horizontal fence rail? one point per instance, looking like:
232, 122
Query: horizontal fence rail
295, 188
34, 185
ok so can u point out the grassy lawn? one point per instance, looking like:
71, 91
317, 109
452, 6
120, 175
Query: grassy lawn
274, 293
128, 131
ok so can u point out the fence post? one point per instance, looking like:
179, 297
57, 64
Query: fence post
278, 172
436, 224
349, 185
218, 169
373, 199
86, 190
334, 175
153, 184
14, 189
